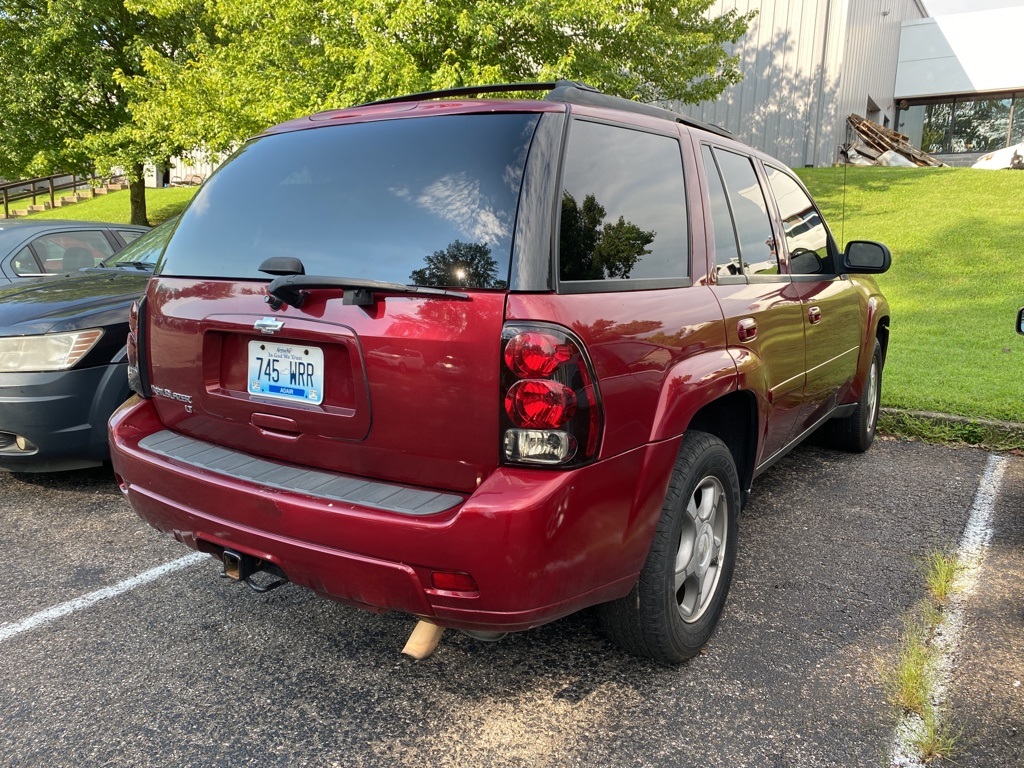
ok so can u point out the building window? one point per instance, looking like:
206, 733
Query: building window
981, 125
964, 125
938, 127
1017, 128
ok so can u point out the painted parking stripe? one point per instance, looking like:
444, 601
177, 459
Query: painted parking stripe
971, 554
7, 631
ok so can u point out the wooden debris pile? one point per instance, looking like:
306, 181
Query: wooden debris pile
874, 144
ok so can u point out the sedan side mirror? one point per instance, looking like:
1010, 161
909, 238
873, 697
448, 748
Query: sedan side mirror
866, 257
1020, 321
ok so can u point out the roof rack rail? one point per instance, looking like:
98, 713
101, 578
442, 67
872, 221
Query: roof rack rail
479, 90
564, 91
571, 93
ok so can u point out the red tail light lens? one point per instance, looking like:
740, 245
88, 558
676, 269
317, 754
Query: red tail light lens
135, 348
538, 403
552, 414
535, 354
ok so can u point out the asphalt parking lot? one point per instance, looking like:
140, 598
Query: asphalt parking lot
185, 669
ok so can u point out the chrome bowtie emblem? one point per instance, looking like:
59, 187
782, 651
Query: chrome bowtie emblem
268, 325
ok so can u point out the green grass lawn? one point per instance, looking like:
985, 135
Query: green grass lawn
161, 204
957, 236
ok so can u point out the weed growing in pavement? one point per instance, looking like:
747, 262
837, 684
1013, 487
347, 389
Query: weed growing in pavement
911, 683
941, 570
936, 739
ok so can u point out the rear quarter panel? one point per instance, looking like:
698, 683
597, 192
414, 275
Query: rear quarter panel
653, 353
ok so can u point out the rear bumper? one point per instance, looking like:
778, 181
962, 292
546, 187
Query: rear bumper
62, 413
538, 544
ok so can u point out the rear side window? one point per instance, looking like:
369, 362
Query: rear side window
727, 253
65, 252
24, 263
806, 235
623, 206
427, 201
750, 212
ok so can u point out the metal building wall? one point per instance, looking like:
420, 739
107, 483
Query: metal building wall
871, 58
806, 66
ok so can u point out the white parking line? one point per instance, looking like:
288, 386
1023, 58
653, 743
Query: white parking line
7, 631
971, 554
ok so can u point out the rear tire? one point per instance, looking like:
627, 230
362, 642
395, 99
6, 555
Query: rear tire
856, 432
675, 605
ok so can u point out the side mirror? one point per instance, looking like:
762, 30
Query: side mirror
866, 257
1020, 321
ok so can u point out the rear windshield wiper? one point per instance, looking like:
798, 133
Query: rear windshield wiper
288, 289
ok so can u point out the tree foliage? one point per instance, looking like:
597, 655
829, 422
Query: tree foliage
62, 94
270, 62
123, 82
460, 264
591, 249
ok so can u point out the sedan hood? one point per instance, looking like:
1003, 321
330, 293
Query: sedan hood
87, 300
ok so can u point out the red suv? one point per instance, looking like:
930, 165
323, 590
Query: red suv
490, 362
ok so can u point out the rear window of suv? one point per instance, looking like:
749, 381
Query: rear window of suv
426, 201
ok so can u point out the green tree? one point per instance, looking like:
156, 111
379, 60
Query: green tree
272, 61
589, 249
460, 264
267, 62
62, 93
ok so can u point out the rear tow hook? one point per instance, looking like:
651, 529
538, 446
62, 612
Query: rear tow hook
239, 567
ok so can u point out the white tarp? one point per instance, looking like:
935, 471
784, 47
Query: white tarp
1010, 157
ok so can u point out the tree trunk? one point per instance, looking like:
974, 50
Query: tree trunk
137, 191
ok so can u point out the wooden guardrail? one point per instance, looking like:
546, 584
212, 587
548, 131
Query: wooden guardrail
44, 186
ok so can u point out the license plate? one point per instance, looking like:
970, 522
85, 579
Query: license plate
292, 372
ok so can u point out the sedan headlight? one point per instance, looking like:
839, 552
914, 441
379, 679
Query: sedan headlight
49, 352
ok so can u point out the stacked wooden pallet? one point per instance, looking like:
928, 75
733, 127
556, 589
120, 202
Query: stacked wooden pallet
875, 140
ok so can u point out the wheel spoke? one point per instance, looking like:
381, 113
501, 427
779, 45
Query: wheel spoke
709, 497
683, 572
691, 508
698, 559
872, 395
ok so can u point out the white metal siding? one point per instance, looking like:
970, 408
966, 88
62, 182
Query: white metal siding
869, 62
807, 66
963, 53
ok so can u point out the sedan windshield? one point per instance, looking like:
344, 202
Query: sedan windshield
143, 252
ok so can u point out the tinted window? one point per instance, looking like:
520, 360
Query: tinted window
749, 210
806, 235
70, 251
727, 254
429, 201
623, 205
24, 263
129, 235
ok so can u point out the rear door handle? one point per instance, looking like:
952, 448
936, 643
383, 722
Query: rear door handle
814, 315
746, 329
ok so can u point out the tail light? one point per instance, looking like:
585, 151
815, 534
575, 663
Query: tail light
551, 412
138, 378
